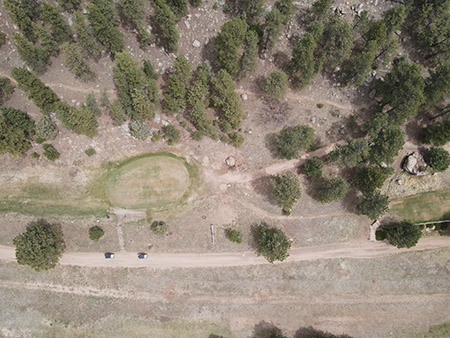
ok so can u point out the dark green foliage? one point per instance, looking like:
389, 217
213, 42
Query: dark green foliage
50, 152
36, 90
2, 38
272, 243
159, 228
376, 32
116, 113
234, 235
32, 8
76, 62
228, 42
178, 7
338, 41
81, 121
251, 8
402, 235
20, 18
132, 11
35, 155
46, 129
6, 89
313, 167
149, 71
171, 134
175, 96
167, 24
394, 18
321, 9
182, 69
52, 16
402, 91
286, 8
276, 84
380, 235
356, 70
226, 101
91, 104
438, 134
437, 85
35, 57
250, 55
137, 94
291, 139
437, 158
196, 3
276, 335
70, 5
90, 151
16, 131
373, 205
95, 233
332, 190
388, 143
286, 190
139, 129
85, 37
368, 179
40, 246
352, 154
48, 44
103, 18
303, 64
273, 27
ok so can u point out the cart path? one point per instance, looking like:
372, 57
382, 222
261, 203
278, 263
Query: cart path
352, 249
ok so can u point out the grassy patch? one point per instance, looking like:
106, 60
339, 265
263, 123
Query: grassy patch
427, 206
435, 331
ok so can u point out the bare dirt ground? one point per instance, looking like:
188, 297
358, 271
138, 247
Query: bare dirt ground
334, 280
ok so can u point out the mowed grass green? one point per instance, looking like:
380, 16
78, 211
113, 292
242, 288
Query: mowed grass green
148, 183
428, 206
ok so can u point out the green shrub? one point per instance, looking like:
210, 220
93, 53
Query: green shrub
34, 57
171, 134
320, 105
166, 21
35, 155
46, 129
373, 205
159, 228
90, 152
355, 152
276, 84
76, 62
50, 152
6, 89
368, 179
61, 31
139, 129
380, 235
156, 136
234, 235
16, 131
272, 243
313, 167
95, 233
235, 139
40, 246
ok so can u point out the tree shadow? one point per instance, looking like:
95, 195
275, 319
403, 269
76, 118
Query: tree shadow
270, 141
264, 187
310, 332
209, 53
264, 330
281, 60
212, 335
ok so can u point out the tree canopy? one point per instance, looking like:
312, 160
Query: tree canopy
286, 189
313, 167
40, 246
353, 153
291, 139
437, 158
272, 243
368, 179
16, 131
403, 234
332, 190
373, 205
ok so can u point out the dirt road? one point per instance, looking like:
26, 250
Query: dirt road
359, 250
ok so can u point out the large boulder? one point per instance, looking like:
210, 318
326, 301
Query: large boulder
414, 164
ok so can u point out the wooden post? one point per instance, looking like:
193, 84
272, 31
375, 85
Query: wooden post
213, 240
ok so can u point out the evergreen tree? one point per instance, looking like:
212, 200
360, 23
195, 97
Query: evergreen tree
250, 56
16, 131
403, 234
178, 7
20, 19
48, 44
286, 8
332, 190
291, 139
438, 134
286, 190
338, 42
167, 24
373, 205
437, 158
85, 37
76, 62
388, 143
272, 243
437, 85
251, 8
34, 57
352, 154
61, 30
276, 84
368, 179
273, 27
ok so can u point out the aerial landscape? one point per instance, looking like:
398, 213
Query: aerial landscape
225, 169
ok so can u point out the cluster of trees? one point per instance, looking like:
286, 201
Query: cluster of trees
76, 62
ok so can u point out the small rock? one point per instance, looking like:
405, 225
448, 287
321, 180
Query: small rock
187, 24
383, 165
165, 123
244, 97
313, 119
157, 118
230, 161
196, 43
399, 182
372, 93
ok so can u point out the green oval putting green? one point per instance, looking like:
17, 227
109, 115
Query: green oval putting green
153, 181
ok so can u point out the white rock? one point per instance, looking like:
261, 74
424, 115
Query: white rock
157, 118
244, 97
196, 43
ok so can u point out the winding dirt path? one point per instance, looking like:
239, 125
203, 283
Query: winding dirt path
353, 249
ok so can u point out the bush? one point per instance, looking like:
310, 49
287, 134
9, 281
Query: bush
437, 158
373, 205
291, 139
6, 89
380, 235
403, 234
16, 131
286, 190
40, 246
272, 243
36, 155
159, 228
313, 167
46, 129
50, 152
95, 233
276, 84
90, 152
171, 134
332, 190
234, 235
235, 139
139, 129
